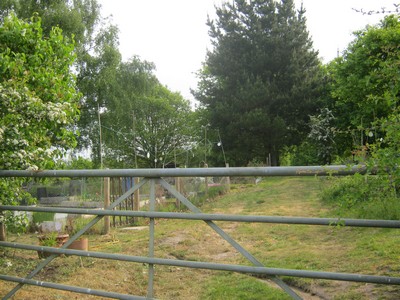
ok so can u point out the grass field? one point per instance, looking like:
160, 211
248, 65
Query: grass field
319, 248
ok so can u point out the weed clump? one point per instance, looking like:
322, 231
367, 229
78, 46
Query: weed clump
362, 196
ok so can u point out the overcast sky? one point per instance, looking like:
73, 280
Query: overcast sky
173, 35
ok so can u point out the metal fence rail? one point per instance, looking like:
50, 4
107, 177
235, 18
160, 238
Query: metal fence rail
153, 177
215, 217
340, 170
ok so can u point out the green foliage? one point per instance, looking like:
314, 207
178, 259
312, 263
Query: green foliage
15, 222
49, 240
38, 102
38, 95
97, 81
145, 124
40, 217
385, 153
322, 134
76, 18
97, 56
361, 196
139, 116
261, 81
216, 191
365, 87
305, 154
79, 163
365, 83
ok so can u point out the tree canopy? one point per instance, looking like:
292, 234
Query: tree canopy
144, 124
259, 83
96, 48
365, 83
38, 102
39, 97
126, 94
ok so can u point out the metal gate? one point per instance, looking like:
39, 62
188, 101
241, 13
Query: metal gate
154, 177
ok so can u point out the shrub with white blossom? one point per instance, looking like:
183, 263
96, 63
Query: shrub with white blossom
38, 101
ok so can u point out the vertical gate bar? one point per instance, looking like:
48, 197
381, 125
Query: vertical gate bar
136, 199
227, 238
121, 191
107, 203
130, 219
48, 260
178, 184
114, 193
127, 203
152, 207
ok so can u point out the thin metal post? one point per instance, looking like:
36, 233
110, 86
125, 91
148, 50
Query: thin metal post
152, 207
179, 188
136, 199
228, 179
106, 204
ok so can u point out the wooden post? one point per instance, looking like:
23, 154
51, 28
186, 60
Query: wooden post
136, 199
106, 204
3, 236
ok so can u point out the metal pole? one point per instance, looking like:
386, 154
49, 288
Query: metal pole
339, 170
100, 137
106, 204
136, 198
69, 288
152, 206
215, 266
215, 217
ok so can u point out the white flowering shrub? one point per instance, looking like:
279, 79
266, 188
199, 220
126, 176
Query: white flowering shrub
38, 102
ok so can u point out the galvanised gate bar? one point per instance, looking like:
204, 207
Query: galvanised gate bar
155, 176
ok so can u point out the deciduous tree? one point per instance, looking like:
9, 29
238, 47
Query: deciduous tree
365, 83
38, 100
96, 48
145, 124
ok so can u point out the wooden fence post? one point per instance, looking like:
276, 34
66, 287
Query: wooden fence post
106, 204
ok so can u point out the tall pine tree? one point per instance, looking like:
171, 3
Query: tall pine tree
259, 83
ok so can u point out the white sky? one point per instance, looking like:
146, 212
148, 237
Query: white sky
173, 35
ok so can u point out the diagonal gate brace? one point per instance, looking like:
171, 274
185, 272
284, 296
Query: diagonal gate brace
226, 237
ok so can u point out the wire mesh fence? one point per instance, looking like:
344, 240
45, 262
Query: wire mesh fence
90, 193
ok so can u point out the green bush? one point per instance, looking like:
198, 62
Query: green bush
306, 154
39, 217
215, 191
362, 196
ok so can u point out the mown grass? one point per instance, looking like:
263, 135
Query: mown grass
319, 248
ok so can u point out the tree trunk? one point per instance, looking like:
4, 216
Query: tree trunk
2, 232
